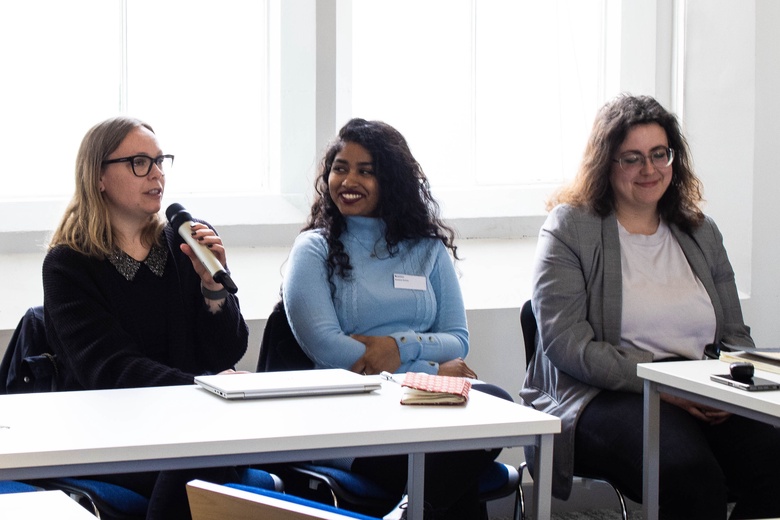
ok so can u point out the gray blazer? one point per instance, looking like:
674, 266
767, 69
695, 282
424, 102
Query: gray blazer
577, 300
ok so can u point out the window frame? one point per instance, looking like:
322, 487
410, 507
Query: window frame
309, 100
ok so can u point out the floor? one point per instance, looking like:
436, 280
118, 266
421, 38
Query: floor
600, 514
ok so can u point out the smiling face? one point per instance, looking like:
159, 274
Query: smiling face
129, 197
640, 191
351, 182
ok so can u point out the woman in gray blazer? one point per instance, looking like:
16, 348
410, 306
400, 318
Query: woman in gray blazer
629, 270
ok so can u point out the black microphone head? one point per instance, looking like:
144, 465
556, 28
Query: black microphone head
173, 209
177, 215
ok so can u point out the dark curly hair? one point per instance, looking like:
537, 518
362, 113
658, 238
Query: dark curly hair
406, 205
591, 187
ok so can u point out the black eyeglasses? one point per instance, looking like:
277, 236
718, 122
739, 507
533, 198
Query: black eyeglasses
142, 164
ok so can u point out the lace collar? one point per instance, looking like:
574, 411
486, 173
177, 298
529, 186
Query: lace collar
128, 266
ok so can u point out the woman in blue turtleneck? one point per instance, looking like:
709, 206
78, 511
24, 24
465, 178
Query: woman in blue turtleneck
370, 287
419, 326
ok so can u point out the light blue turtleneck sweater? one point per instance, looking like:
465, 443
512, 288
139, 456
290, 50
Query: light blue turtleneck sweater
429, 326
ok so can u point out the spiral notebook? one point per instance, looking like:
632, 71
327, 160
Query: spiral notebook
293, 383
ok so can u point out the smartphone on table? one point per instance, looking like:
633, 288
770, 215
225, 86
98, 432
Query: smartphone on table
754, 384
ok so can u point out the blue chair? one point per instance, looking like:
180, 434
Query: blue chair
279, 350
340, 488
260, 479
12, 486
348, 490
104, 500
29, 366
113, 502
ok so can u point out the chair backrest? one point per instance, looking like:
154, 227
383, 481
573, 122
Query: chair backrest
528, 324
28, 364
12, 486
215, 502
279, 350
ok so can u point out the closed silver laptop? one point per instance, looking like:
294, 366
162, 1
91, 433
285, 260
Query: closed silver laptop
288, 384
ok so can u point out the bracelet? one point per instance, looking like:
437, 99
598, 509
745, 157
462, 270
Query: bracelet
213, 295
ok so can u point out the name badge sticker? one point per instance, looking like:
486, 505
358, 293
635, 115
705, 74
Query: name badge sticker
410, 281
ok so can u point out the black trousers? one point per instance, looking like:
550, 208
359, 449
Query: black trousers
451, 478
702, 467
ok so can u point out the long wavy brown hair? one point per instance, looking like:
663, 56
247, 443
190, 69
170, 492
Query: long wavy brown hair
405, 201
591, 188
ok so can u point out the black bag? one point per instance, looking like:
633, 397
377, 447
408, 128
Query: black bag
28, 364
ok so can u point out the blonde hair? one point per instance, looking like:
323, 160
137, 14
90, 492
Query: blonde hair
86, 225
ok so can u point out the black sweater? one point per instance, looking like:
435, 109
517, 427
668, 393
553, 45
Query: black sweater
108, 332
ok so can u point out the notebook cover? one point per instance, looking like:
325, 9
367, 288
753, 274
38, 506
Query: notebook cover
420, 388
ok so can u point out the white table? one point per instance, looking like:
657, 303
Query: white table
691, 380
143, 429
41, 505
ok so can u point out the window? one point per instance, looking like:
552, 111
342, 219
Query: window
58, 80
488, 93
197, 74
496, 97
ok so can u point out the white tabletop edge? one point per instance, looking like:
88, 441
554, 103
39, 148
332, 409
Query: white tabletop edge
41, 505
188, 424
694, 376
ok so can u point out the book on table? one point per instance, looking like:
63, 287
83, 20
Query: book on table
762, 359
420, 388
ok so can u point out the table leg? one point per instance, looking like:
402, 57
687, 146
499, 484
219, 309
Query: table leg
415, 486
543, 478
652, 428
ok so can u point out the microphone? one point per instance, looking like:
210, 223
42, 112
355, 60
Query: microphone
181, 221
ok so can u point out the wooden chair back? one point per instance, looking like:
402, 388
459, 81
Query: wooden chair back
215, 502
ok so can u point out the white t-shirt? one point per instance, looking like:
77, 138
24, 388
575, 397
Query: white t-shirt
666, 309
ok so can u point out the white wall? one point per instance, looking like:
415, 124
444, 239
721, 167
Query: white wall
762, 309
730, 116
719, 117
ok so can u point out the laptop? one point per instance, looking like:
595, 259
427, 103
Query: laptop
292, 383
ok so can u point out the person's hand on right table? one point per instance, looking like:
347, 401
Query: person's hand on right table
456, 368
707, 414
